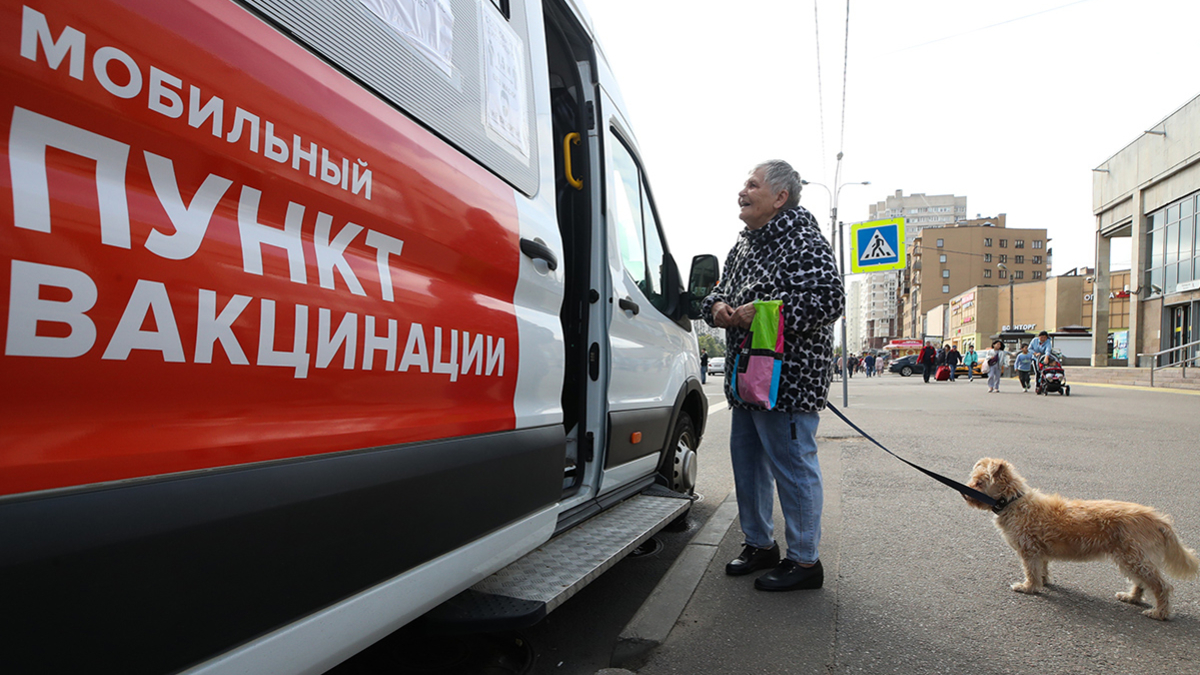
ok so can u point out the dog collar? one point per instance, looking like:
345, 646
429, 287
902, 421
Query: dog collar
1003, 502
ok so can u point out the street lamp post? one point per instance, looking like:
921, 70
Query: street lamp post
1011, 322
834, 227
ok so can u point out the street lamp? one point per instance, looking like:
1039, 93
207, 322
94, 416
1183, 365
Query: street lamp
1012, 326
833, 227
833, 200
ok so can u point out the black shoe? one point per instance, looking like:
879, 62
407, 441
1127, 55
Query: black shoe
790, 576
752, 560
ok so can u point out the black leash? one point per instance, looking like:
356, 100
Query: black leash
968, 491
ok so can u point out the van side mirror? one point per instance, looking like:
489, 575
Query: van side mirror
701, 282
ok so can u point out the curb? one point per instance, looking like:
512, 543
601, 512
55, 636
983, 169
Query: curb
657, 616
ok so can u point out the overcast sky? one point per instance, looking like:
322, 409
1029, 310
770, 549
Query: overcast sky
1008, 104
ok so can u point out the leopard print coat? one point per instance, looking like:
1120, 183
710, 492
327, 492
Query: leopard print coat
787, 259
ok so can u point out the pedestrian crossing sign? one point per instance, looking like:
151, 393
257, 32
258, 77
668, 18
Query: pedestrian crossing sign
878, 245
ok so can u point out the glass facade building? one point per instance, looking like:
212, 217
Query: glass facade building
1172, 249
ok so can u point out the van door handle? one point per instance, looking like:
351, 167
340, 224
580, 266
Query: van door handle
629, 305
539, 251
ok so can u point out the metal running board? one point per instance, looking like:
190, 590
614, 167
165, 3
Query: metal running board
527, 590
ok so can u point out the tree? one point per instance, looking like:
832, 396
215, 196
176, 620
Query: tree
714, 346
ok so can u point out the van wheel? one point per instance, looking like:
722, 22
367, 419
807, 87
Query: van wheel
679, 466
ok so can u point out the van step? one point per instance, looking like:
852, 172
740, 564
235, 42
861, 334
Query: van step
523, 593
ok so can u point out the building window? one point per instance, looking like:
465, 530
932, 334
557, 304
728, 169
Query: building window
1037, 275
987, 241
1020, 243
1172, 254
942, 258
1037, 243
1003, 243
1018, 258
1003, 258
945, 274
987, 257
945, 288
1018, 274
941, 243
987, 274
1037, 260
1003, 274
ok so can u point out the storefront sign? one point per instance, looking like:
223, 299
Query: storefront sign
1022, 326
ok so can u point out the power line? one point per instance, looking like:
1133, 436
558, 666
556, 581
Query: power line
845, 70
820, 88
983, 28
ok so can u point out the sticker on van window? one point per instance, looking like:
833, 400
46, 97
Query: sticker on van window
426, 24
504, 77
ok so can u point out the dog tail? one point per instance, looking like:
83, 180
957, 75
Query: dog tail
1180, 562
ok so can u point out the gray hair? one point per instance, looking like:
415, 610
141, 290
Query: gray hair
781, 176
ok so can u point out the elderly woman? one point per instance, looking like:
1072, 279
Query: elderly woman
780, 255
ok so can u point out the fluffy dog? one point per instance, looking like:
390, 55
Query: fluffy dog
1044, 527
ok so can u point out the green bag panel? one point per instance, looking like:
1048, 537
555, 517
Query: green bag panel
765, 326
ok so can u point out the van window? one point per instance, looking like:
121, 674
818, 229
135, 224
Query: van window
643, 253
470, 83
625, 212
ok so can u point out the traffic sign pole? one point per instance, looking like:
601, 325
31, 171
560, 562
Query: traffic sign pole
845, 294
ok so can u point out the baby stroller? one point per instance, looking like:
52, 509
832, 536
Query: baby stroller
1051, 378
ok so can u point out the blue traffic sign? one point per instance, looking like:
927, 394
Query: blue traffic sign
878, 245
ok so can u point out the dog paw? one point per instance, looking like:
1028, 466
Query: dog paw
1157, 613
1130, 598
1025, 587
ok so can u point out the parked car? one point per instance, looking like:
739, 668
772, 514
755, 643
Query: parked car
906, 365
716, 365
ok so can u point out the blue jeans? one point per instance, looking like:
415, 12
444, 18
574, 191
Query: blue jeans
766, 445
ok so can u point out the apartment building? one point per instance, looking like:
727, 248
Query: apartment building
854, 316
946, 261
879, 316
919, 211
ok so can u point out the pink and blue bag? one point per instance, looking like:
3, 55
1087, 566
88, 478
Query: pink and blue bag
759, 360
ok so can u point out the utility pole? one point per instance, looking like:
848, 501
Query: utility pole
835, 230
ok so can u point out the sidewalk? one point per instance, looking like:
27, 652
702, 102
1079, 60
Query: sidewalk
673, 632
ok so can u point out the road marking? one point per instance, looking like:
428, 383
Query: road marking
717, 407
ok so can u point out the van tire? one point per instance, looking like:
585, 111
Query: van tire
678, 470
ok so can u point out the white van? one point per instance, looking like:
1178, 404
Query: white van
317, 313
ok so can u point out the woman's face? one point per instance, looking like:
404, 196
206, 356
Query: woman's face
758, 202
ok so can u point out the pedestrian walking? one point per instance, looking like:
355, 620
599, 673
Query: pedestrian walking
703, 366
969, 360
952, 360
1024, 367
780, 255
869, 361
926, 359
996, 363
